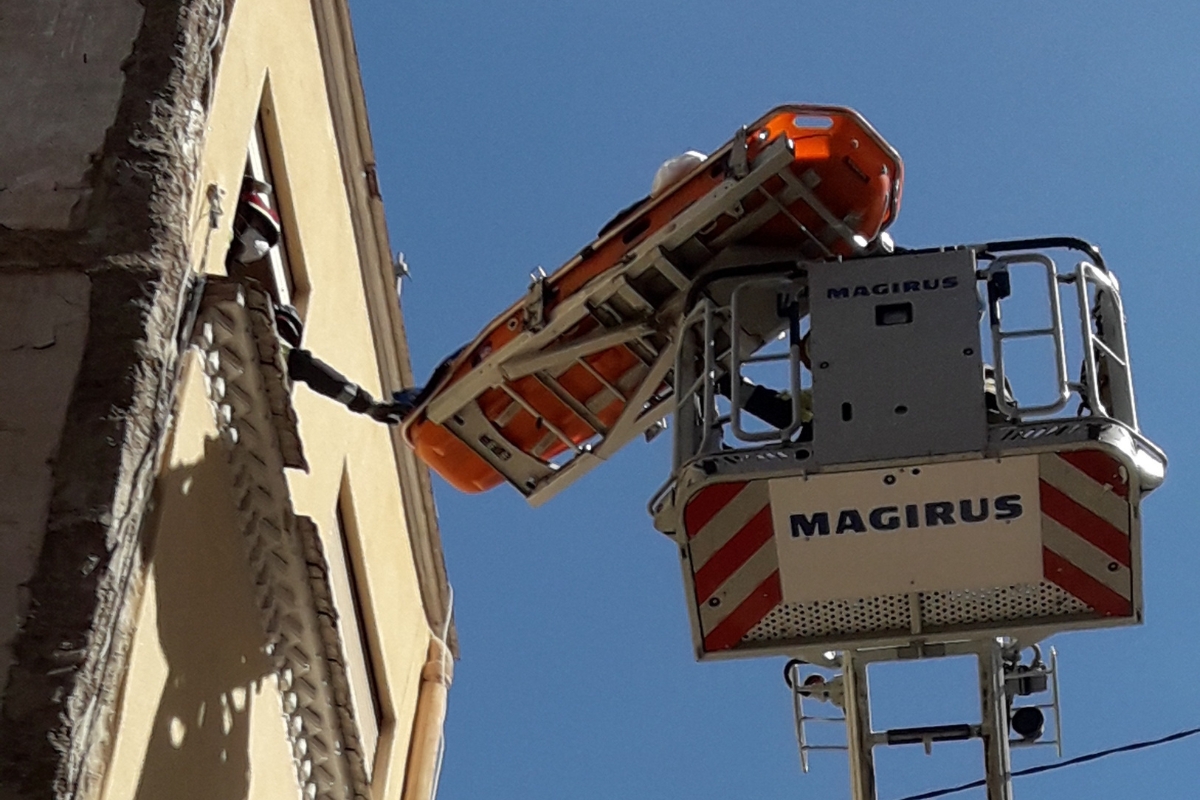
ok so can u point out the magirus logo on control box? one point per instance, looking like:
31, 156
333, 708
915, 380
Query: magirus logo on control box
948, 526
894, 287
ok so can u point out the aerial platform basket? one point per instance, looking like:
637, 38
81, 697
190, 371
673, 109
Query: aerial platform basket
906, 495
581, 365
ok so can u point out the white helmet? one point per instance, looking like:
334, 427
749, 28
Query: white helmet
673, 170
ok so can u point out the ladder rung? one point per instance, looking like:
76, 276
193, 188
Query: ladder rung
634, 298
765, 359
1027, 334
603, 381
755, 219
550, 426
521, 366
816, 205
929, 733
543, 445
669, 271
787, 212
1108, 351
506, 416
632, 378
571, 402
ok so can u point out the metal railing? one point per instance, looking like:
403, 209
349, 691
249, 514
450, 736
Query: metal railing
1105, 387
791, 357
997, 277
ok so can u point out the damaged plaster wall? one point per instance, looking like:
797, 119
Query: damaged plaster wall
41, 344
61, 62
98, 182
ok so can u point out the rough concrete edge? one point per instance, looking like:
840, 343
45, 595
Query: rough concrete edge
73, 647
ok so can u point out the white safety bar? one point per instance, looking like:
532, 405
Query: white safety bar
1106, 392
792, 357
1110, 342
1010, 407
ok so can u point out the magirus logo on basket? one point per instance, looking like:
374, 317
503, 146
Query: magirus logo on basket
888, 518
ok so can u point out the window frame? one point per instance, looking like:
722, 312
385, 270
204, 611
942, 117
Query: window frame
282, 270
351, 600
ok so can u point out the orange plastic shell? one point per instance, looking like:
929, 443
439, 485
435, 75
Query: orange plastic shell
853, 171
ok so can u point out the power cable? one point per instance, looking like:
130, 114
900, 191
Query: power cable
1126, 748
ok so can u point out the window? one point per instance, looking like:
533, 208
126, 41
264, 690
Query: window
273, 271
348, 599
263, 204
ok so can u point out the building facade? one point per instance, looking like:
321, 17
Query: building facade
214, 583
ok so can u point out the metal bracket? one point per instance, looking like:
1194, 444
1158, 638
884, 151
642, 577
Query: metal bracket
739, 154
535, 301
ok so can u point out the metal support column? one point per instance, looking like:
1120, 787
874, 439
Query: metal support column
853, 696
994, 722
858, 727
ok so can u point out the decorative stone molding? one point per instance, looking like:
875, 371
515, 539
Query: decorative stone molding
247, 384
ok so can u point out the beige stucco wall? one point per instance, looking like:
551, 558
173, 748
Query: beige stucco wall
200, 712
198, 705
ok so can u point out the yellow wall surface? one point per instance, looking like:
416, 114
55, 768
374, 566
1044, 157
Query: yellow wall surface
200, 713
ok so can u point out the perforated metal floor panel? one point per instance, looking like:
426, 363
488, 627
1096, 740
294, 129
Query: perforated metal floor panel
891, 613
824, 618
1042, 600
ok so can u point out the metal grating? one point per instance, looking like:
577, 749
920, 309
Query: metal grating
1030, 601
859, 617
832, 617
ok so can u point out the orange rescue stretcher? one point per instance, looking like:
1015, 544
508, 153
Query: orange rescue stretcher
579, 367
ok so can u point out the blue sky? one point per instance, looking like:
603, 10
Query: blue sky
508, 133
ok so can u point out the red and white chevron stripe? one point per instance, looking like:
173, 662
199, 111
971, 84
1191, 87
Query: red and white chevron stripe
735, 569
1086, 524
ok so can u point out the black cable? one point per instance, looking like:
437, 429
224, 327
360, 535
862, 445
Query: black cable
1059, 765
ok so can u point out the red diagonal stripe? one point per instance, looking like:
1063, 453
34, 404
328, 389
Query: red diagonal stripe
733, 554
1085, 524
1101, 468
751, 612
705, 505
1091, 591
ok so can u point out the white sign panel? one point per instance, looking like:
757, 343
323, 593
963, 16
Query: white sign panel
962, 525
